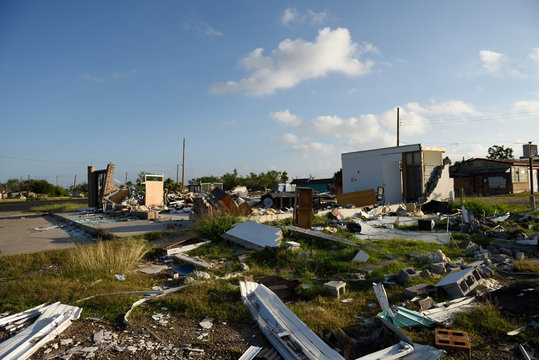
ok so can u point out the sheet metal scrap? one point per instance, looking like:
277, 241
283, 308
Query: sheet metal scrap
55, 318
402, 317
290, 336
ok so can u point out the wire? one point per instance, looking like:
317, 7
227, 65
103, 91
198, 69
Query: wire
486, 116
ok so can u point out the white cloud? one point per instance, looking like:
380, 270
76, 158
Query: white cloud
285, 117
298, 60
228, 123
212, 32
94, 78
374, 131
289, 16
527, 106
492, 61
318, 18
121, 74
310, 149
288, 138
534, 55
292, 15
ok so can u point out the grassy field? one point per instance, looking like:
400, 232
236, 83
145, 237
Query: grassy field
56, 207
72, 274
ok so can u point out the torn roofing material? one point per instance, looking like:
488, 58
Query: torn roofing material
53, 321
290, 336
254, 235
371, 232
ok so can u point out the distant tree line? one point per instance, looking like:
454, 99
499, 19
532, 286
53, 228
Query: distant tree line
41, 187
253, 181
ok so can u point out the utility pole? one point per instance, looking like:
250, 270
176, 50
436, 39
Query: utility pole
530, 156
177, 173
398, 142
74, 182
126, 177
56, 180
183, 164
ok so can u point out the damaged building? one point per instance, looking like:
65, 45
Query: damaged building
410, 173
486, 176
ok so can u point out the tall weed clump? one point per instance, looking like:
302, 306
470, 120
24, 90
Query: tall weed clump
212, 226
480, 207
105, 257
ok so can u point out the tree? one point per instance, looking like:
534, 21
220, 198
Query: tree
284, 177
171, 185
497, 152
447, 160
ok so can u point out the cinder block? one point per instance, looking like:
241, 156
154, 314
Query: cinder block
336, 288
452, 340
437, 268
406, 274
460, 283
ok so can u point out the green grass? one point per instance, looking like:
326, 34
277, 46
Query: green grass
527, 265
485, 324
56, 207
480, 206
211, 227
216, 299
105, 257
218, 249
67, 275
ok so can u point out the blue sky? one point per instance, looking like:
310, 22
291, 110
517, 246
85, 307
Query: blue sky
258, 85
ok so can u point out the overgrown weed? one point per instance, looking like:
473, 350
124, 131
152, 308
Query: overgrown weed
105, 257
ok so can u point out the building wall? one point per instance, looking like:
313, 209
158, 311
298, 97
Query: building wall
520, 187
315, 187
365, 170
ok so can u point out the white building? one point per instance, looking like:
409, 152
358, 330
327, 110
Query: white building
407, 173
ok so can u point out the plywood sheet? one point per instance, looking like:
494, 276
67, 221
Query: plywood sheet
358, 198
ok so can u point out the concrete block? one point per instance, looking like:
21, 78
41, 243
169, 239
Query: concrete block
361, 256
481, 256
426, 303
452, 340
406, 274
460, 283
498, 258
438, 268
292, 245
474, 264
485, 270
336, 288
419, 290
425, 273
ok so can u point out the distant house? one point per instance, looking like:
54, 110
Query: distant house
320, 185
485, 176
407, 173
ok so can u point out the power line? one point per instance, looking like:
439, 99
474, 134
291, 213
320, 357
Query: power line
78, 163
473, 118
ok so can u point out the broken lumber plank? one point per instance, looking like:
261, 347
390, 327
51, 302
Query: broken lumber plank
311, 234
201, 264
